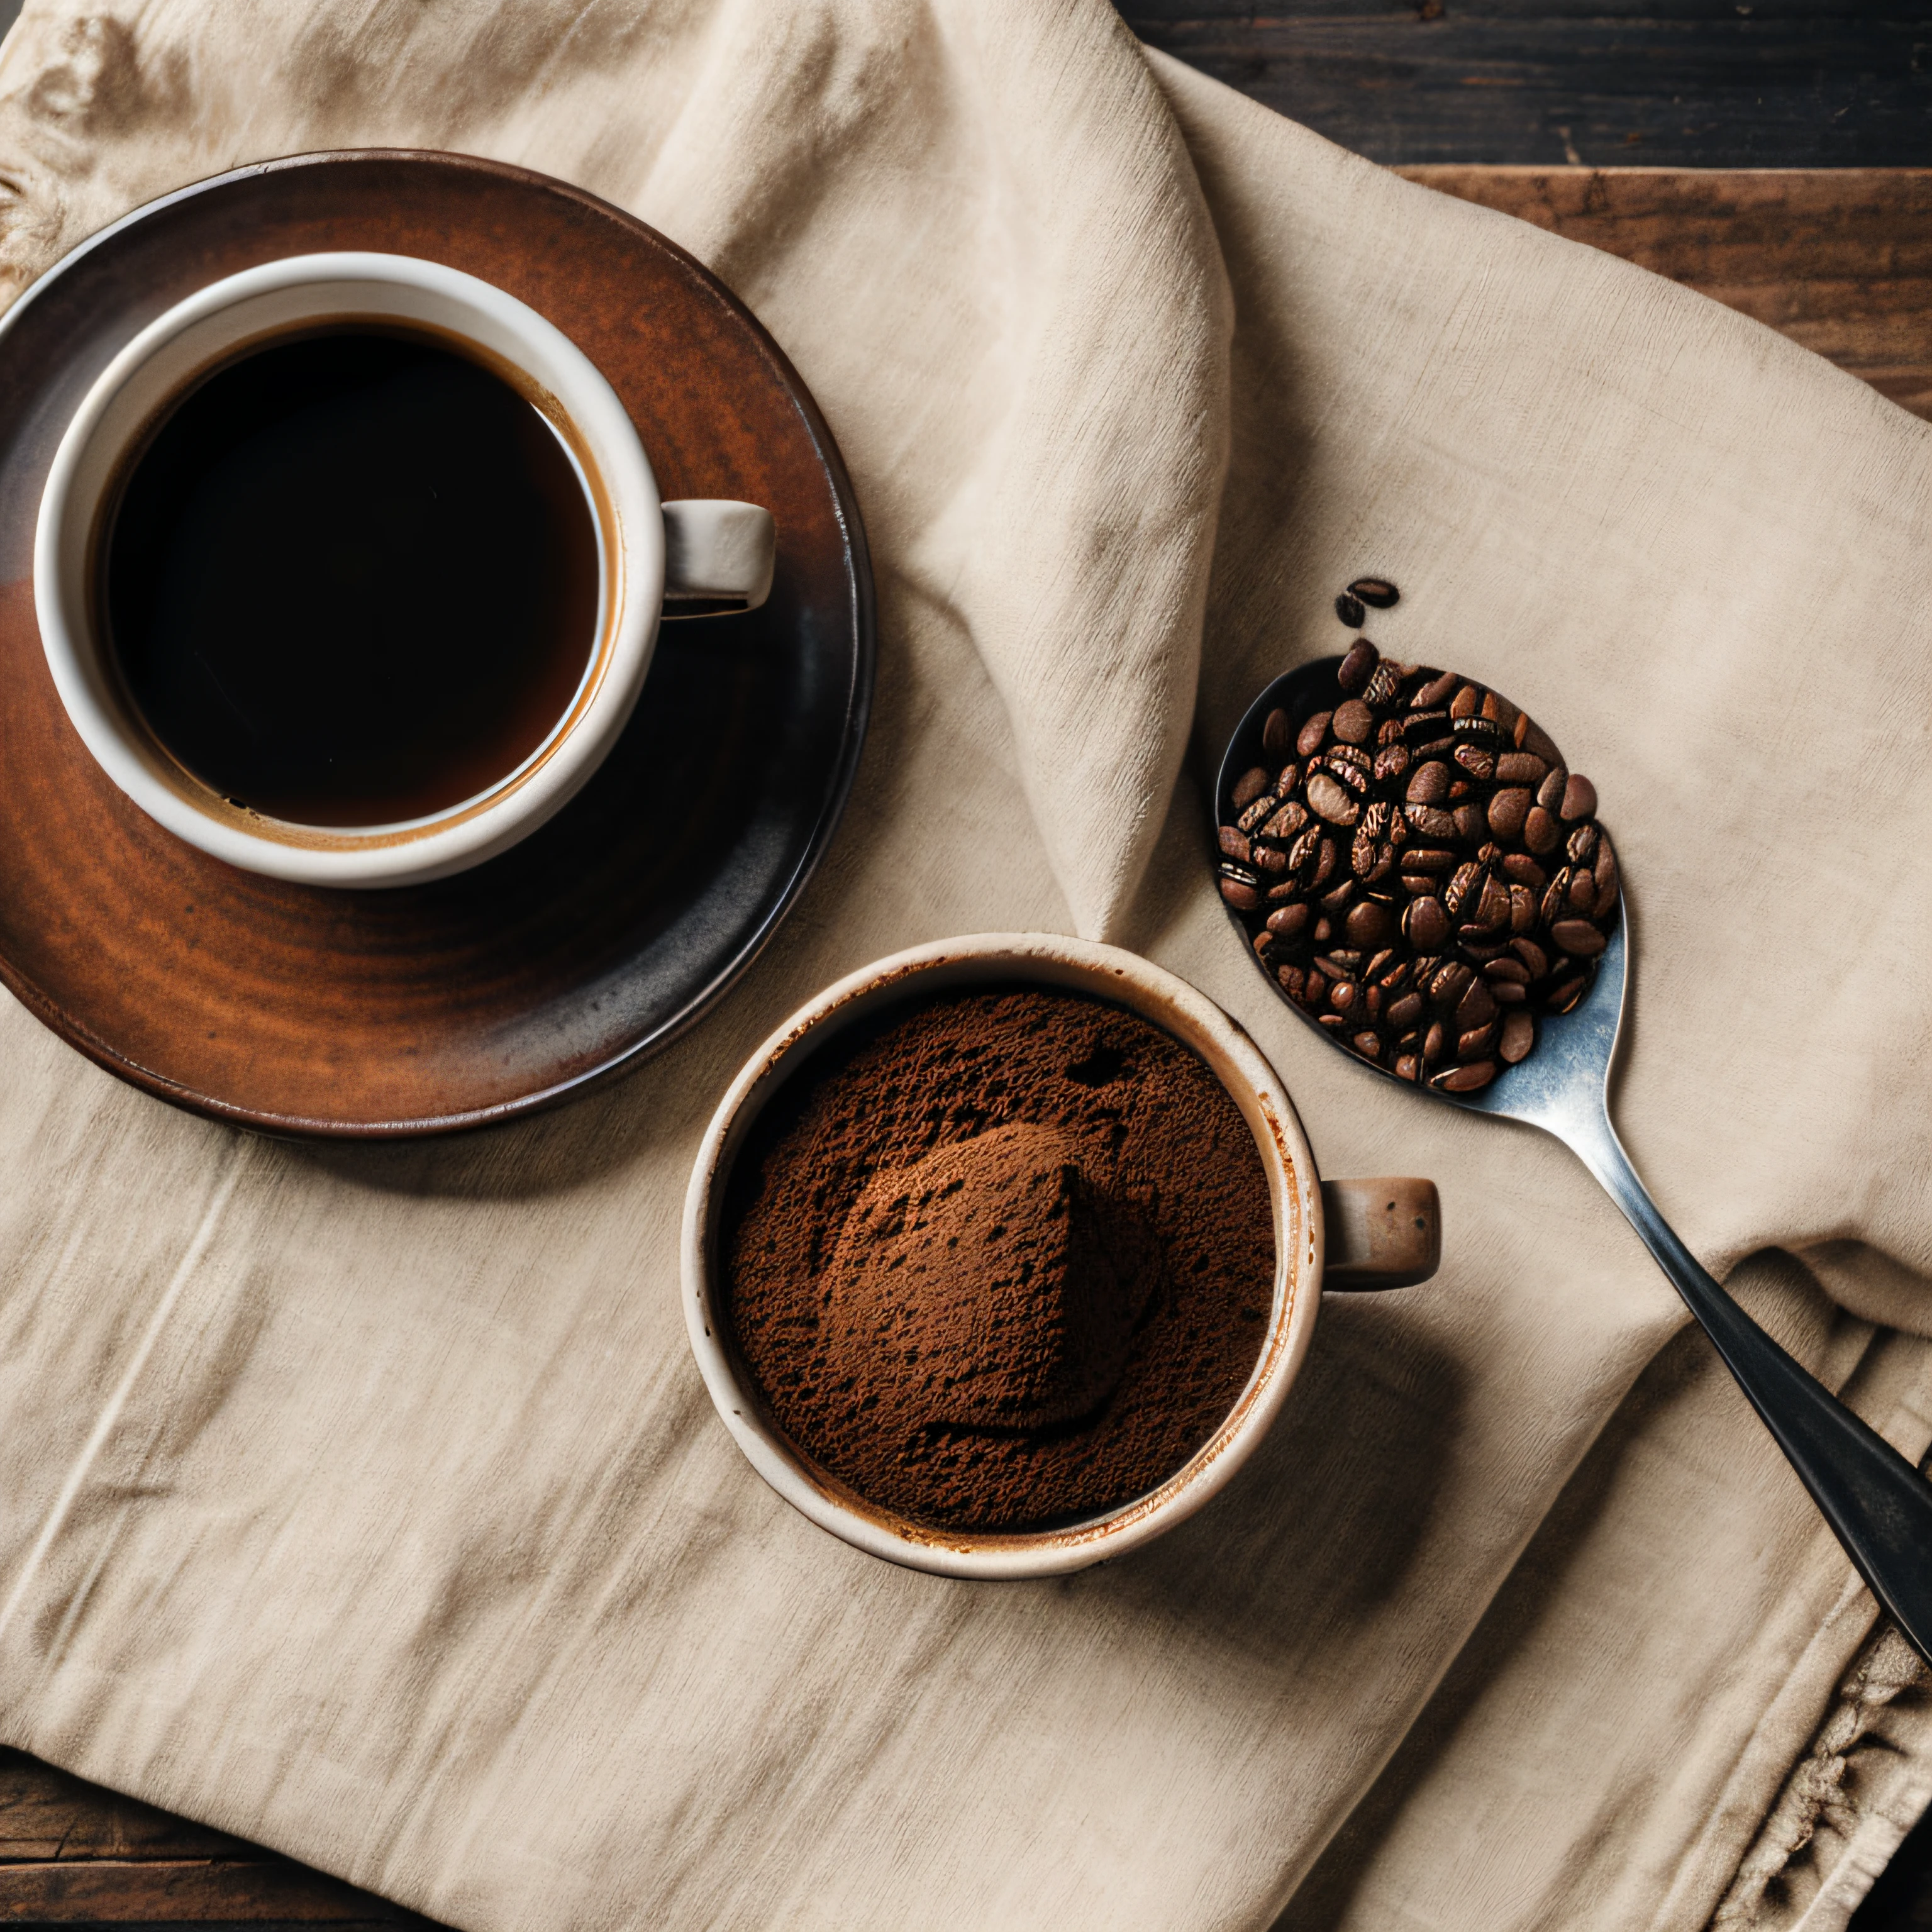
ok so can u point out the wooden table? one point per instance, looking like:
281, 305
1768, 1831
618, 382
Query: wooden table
1834, 246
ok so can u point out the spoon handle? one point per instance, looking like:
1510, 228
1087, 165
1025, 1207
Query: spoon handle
1878, 1506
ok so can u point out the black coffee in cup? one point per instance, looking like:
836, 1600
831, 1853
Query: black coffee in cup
351, 579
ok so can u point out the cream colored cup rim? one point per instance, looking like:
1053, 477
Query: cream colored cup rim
1295, 1190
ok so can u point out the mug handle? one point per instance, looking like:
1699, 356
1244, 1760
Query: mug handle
719, 557
1381, 1232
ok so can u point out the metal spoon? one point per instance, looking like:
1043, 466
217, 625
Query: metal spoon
1878, 1505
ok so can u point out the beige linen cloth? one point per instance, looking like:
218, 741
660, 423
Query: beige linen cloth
366, 1502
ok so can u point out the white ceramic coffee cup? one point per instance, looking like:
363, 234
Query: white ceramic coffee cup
720, 552
1370, 1233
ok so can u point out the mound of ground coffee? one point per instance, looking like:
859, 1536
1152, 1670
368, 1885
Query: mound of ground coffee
1000, 1260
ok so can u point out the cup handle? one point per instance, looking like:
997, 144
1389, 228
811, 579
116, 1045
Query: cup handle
1381, 1232
719, 557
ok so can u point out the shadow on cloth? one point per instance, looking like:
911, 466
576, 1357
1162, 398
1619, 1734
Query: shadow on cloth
1321, 1527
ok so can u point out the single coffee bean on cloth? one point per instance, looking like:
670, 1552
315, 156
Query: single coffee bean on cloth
1000, 1260
1421, 873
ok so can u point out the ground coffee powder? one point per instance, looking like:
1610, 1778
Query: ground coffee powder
1001, 1259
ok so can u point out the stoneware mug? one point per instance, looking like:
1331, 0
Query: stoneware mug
652, 556
1368, 1234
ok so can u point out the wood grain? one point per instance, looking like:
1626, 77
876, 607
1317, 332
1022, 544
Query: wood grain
73, 1854
1667, 83
1840, 262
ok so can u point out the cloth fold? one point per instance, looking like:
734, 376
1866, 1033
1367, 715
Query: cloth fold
364, 1501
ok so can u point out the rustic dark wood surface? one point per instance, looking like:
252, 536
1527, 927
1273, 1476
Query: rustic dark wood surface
301, 1009
1660, 83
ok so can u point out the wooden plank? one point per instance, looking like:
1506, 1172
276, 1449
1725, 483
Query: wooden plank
1666, 83
1840, 261
72, 1853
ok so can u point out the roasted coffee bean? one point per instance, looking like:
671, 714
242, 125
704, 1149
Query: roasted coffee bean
1357, 779
1407, 1067
1290, 777
1556, 899
1492, 909
1466, 883
1394, 976
1522, 909
1466, 1079
1520, 768
1466, 703
1389, 731
1428, 858
1436, 693
1391, 761
1260, 810
1404, 1013
1278, 733
1288, 921
1234, 844
1565, 996
1384, 683
1579, 798
1368, 1045
1286, 823
1478, 1006
1451, 981
1301, 854
1509, 994
1326, 859
1477, 759
1337, 1023
1269, 858
1376, 592
1471, 822
1583, 892
1428, 822
1425, 924
1264, 942
1581, 845
1328, 800
1524, 871
1350, 610
1606, 874
1433, 1045
1292, 979
1519, 1035
1540, 832
1550, 793
1478, 1039
1369, 924
1532, 955
1356, 666
1241, 896
1578, 937
1342, 995
1313, 735
1429, 784
1286, 890
1249, 786
1353, 722
1508, 809
1335, 899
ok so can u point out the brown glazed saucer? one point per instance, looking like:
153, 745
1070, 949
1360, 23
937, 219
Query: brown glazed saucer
301, 1010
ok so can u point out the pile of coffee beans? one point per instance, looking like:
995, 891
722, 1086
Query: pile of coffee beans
1416, 866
